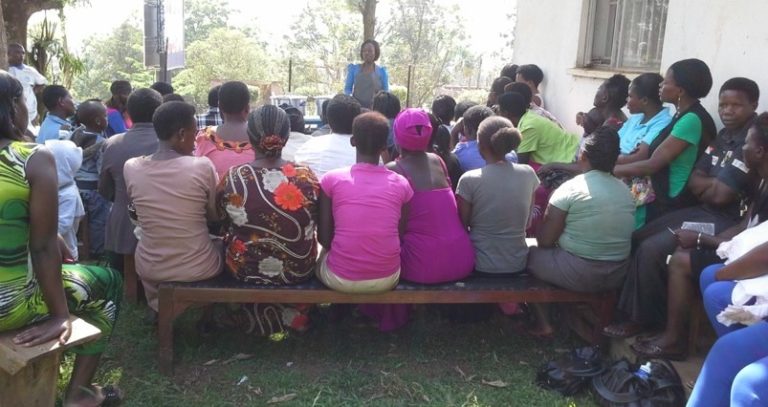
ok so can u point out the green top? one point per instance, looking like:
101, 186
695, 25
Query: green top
688, 129
600, 219
14, 210
545, 140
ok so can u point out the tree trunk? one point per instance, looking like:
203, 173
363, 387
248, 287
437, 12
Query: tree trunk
3, 41
368, 10
17, 12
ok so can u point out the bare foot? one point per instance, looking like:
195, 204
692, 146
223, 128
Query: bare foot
94, 396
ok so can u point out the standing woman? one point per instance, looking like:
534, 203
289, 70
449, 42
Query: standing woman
46, 293
118, 120
366, 79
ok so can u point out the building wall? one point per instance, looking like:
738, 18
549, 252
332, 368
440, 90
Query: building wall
728, 35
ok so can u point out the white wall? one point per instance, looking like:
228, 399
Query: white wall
729, 35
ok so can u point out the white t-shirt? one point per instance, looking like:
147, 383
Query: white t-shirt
295, 141
29, 78
326, 153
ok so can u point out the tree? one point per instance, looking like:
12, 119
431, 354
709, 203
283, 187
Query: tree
117, 56
325, 41
428, 38
203, 16
17, 13
227, 54
367, 9
3, 40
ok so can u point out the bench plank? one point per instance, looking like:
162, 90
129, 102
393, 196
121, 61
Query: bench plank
176, 297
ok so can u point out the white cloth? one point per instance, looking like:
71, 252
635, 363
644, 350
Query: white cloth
326, 153
744, 292
295, 141
29, 78
68, 158
742, 243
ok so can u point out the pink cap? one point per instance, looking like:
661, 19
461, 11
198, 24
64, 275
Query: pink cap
412, 129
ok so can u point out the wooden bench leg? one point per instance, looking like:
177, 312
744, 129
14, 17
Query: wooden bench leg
605, 312
130, 280
168, 311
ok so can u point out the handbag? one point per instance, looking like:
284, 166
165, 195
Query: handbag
652, 384
642, 190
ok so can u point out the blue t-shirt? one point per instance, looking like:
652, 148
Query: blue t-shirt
633, 132
470, 158
49, 129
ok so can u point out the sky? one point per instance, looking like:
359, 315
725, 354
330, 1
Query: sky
484, 19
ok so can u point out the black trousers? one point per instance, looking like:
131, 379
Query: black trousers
643, 297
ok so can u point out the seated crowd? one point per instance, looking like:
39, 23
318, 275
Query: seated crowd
641, 204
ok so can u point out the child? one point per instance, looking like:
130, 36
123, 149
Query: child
68, 157
92, 115
610, 97
361, 216
466, 150
495, 201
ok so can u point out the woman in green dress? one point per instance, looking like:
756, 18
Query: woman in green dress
35, 288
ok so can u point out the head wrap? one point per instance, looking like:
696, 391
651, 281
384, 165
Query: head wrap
413, 130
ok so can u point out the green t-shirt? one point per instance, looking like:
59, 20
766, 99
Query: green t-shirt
688, 129
600, 219
545, 140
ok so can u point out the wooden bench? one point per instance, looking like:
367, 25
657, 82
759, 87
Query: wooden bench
175, 298
28, 375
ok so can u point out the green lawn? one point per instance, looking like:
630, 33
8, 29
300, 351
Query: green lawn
431, 362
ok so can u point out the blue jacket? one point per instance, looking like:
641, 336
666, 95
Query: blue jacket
353, 69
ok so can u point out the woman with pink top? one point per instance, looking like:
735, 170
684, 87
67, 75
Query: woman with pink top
435, 247
362, 214
227, 145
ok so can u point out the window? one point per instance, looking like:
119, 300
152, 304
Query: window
625, 34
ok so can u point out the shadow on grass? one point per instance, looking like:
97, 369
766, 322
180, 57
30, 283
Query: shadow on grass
431, 362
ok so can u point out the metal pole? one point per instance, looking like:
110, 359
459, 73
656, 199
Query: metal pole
290, 75
408, 87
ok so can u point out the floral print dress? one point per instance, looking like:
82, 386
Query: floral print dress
270, 223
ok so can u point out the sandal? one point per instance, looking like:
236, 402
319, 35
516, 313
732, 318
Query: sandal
623, 329
653, 351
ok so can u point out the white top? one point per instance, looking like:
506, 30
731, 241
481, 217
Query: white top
29, 78
68, 158
326, 153
295, 141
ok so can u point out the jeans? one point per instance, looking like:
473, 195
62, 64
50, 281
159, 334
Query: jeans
717, 296
735, 372
97, 209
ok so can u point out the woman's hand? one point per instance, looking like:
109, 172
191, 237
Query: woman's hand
52, 328
686, 238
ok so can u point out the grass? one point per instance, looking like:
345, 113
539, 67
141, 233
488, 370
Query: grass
431, 362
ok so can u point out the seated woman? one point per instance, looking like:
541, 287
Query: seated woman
675, 150
435, 247
735, 372
495, 201
174, 195
28, 226
363, 210
271, 208
441, 145
586, 236
226, 145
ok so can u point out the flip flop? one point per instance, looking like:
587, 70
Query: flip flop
622, 330
112, 396
653, 351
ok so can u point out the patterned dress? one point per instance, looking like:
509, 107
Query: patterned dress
270, 239
93, 293
271, 223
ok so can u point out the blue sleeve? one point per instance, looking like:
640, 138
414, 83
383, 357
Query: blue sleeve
384, 78
351, 71
116, 122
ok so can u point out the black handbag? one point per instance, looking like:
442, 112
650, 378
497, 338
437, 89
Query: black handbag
572, 372
652, 384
